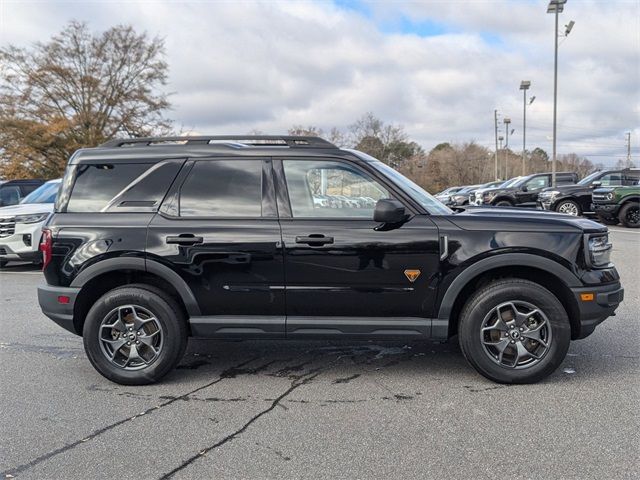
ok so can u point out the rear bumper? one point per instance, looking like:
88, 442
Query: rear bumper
61, 313
593, 312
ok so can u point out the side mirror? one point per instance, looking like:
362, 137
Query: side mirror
596, 184
389, 211
524, 188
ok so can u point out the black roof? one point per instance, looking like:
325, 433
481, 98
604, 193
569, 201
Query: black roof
159, 148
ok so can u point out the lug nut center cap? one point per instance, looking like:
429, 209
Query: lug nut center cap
515, 334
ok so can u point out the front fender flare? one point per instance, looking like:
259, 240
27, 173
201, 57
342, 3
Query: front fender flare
498, 261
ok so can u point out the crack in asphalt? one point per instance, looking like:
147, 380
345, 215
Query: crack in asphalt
229, 373
294, 385
296, 382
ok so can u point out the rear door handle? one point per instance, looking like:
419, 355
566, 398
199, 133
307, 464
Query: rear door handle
184, 239
315, 240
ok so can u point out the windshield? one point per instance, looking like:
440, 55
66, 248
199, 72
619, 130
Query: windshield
45, 193
511, 182
589, 178
416, 192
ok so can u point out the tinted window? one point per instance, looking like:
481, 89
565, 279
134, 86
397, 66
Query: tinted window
96, 185
330, 189
9, 195
538, 183
565, 180
611, 179
223, 188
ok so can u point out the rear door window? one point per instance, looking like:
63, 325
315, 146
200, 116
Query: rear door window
222, 188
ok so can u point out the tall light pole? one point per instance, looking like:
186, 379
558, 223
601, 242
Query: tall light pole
556, 7
506, 121
495, 124
524, 86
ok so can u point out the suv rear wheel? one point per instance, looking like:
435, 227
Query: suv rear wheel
504, 203
630, 215
135, 335
514, 331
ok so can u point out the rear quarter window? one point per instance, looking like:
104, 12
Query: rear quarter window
120, 187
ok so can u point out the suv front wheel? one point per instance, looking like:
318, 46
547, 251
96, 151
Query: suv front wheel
135, 335
514, 331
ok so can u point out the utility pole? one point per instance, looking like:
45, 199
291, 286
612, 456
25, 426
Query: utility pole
556, 7
495, 124
507, 122
628, 149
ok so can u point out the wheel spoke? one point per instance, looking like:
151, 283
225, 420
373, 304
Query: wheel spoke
134, 355
116, 344
498, 325
148, 341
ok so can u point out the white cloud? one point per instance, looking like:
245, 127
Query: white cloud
238, 66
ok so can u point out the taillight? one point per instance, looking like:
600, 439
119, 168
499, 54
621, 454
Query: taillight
46, 244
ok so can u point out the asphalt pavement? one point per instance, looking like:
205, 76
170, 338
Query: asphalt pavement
276, 409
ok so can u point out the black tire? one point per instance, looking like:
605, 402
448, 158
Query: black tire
484, 302
170, 319
504, 203
629, 215
567, 207
608, 221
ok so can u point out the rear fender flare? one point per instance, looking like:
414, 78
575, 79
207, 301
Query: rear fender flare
140, 264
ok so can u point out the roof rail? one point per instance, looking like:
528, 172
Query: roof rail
238, 140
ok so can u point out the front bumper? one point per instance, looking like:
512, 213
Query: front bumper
61, 313
593, 312
544, 204
605, 210
23, 243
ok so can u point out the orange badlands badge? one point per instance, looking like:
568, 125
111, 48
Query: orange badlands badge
412, 275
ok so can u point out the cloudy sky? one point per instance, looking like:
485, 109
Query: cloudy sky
439, 68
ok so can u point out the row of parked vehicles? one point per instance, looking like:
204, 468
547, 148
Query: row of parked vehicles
613, 196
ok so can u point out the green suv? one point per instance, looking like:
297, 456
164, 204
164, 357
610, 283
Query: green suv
618, 204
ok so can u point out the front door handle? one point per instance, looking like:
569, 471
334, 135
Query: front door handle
315, 240
184, 239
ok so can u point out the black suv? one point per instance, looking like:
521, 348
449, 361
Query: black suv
524, 191
576, 199
156, 240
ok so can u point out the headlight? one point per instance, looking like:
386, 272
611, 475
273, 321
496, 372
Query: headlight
489, 195
32, 218
609, 196
552, 194
598, 250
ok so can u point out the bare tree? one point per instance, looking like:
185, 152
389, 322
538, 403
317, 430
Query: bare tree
77, 90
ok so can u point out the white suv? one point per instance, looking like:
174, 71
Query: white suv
21, 225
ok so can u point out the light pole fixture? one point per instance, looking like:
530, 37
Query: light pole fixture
506, 121
524, 86
556, 7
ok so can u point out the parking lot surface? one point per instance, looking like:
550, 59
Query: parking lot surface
317, 409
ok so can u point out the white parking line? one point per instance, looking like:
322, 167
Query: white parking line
20, 273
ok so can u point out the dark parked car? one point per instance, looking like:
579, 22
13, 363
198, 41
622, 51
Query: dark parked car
13, 191
459, 198
524, 192
576, 199
155, 240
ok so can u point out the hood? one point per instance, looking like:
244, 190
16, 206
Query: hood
523, 220
567, 189
25, 209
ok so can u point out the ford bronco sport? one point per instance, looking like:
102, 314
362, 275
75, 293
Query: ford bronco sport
154, 240
618, 204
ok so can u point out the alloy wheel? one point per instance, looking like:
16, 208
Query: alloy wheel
633, 216
568, 208
131, 337
516, 334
